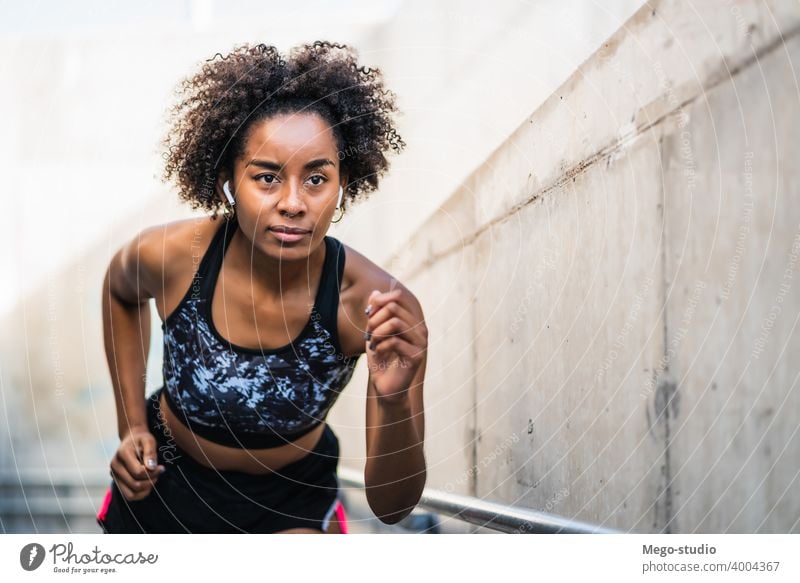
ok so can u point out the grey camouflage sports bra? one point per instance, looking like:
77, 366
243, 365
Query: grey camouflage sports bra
249, 397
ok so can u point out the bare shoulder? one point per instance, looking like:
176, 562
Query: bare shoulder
167, 249
361, 276
157, 256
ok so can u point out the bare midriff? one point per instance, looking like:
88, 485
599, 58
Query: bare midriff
223, 457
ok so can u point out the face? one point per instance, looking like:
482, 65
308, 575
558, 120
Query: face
288, 176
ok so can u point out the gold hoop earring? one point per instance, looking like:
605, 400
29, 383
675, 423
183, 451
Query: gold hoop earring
340, 215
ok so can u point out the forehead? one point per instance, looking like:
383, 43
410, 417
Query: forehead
291, 138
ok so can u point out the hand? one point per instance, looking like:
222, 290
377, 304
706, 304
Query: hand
134, 479
397, 340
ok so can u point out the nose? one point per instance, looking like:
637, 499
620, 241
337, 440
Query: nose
291, 200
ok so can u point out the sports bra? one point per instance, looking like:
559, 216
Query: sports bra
252, 397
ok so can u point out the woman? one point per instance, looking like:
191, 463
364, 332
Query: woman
236, 439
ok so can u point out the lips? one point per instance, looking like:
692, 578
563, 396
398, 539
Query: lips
289, 230
288, 235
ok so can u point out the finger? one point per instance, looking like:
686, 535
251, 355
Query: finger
406, 351
133, 465
377, 299
134, 483
396, 345
130, 460
146, 454
125, 491
396, 328
392, 325
131, 495
387, 310
124, 479
148, 448
136, 496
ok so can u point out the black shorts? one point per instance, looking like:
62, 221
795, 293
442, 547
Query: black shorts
192, 498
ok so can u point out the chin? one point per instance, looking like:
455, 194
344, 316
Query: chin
301, 248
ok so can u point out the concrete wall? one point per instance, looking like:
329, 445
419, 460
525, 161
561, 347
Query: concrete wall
612, 296
465, 78
57, 400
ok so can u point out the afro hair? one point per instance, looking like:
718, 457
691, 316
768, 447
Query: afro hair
217, 106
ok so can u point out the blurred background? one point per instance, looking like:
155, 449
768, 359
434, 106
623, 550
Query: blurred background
598, 208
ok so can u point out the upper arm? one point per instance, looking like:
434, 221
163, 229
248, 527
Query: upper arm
137, 268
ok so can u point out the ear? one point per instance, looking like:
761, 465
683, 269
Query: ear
344, 182
222, 176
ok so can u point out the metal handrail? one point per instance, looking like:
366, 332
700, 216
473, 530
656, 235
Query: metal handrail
484, 513
40, 477
493, 515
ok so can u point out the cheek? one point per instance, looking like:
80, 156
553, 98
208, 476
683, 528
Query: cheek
253, 210
250, 222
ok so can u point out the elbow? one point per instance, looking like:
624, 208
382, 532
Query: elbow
393, 518
392, 507
394, 514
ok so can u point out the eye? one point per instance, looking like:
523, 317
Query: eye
320, 177
260, 176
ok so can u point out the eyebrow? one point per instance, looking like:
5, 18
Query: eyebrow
270, 165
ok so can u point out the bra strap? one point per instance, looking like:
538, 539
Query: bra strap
331, 280
212, 260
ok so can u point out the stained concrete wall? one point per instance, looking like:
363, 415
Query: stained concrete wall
612, 297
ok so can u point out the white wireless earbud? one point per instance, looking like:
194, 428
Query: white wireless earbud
339, 202
227, 189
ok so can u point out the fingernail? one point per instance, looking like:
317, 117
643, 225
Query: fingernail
368, 310
367, 335
372, 346
151, 463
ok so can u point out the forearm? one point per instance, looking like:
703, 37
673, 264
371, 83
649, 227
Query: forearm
395, 471
126, 334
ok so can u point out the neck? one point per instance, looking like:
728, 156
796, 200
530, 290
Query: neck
270, 276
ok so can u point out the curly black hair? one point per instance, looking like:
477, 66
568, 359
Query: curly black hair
218, 105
